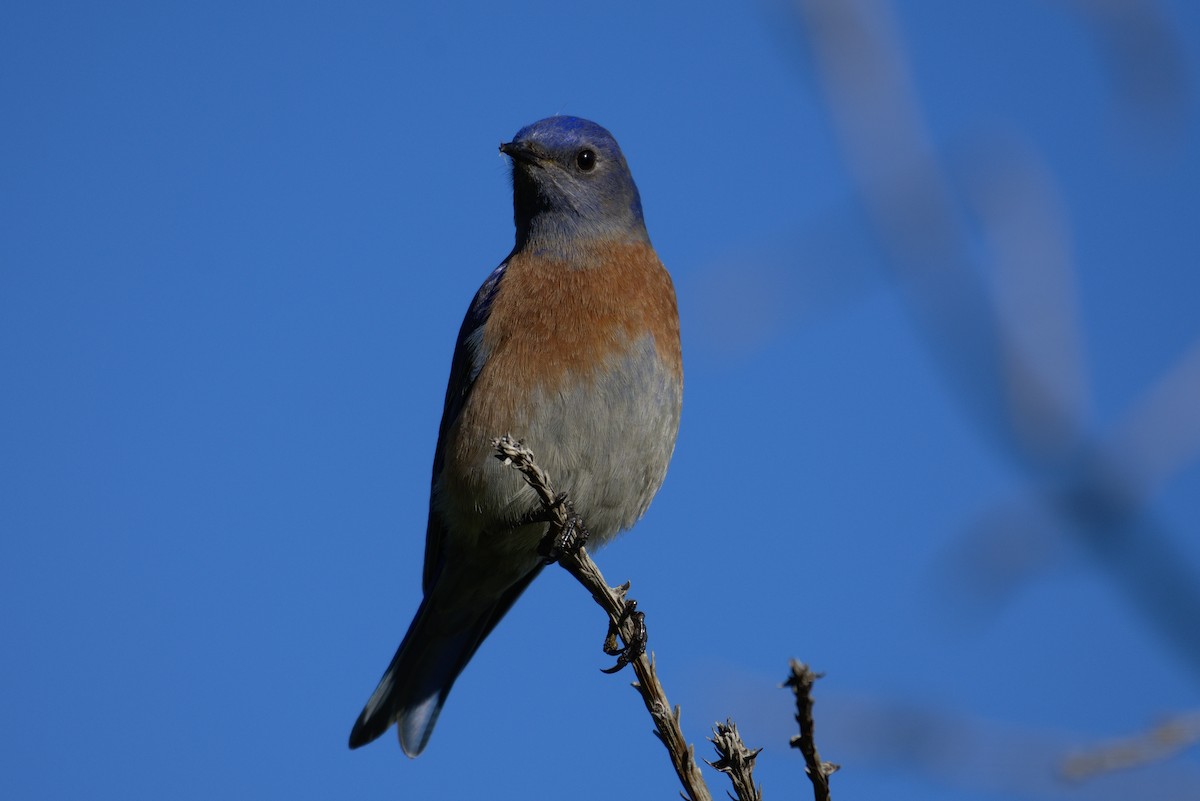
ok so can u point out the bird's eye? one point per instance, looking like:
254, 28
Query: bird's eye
585, 160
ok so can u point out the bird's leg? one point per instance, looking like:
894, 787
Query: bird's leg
637, 643
565, 539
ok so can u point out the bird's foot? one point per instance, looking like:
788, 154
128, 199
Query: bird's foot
566, 540
635, 647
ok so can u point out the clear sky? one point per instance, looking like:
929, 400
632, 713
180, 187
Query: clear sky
236, 244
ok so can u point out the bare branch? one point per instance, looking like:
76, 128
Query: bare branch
1159, 743
801, 681
621, 616
736, 760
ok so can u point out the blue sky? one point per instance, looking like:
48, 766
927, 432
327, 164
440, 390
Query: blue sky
236, 244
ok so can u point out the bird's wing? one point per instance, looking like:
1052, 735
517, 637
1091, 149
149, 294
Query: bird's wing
469, 358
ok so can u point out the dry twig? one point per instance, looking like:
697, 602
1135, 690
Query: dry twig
736, 760
801, 681
620, 615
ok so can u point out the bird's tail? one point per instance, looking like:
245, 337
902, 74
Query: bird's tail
419, 678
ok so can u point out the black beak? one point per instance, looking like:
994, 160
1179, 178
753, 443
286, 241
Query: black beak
520, 151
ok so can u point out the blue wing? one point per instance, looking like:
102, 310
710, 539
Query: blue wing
469, 358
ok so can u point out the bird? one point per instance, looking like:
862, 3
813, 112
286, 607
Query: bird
571, 345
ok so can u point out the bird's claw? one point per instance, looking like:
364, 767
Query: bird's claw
635, 647
569, 539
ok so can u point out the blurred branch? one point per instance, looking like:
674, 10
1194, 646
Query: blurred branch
1145, 60
1022, 223
801, 680
1158, 437
1159, 743
621, 617
736, 760
1160, 434
986, 757
1091, 486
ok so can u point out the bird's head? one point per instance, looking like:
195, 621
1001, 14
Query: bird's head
571, 184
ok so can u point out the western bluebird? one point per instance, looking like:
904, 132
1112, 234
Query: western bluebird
571, 345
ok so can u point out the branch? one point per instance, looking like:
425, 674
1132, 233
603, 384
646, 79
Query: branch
1162, 742
801, 681
737, 761
620, 615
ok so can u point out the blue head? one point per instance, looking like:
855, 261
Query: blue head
571, 183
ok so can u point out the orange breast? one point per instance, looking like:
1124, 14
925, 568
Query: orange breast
549, 322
